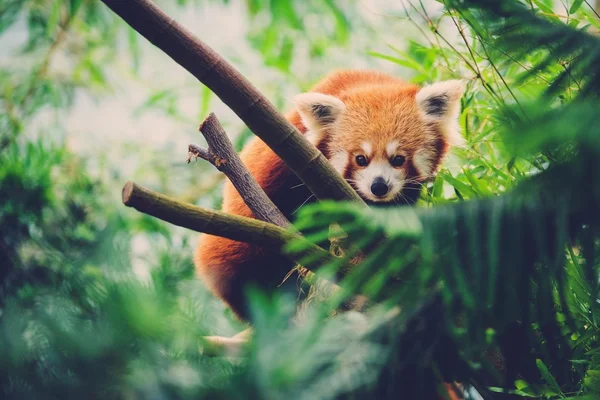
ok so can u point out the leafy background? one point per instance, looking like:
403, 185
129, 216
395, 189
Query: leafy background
99, 301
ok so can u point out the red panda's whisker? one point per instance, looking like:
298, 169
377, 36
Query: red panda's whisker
413, 181
421, 185
305, 201
404, 198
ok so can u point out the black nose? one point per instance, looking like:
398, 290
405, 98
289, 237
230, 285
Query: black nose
379, 187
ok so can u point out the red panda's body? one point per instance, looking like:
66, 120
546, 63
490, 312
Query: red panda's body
401, 139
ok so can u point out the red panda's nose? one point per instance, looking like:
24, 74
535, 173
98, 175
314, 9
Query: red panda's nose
379, 188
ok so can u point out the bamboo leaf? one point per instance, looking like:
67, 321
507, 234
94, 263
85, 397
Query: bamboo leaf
545, 8
575, 6
549, 378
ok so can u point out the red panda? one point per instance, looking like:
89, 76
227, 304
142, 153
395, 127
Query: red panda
385, 137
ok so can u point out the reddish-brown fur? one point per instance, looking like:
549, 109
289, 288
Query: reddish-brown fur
227, 266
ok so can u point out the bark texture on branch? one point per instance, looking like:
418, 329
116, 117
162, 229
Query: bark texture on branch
220, 224
223, 156
309, 164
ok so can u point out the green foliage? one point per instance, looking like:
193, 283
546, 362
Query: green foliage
523, 263
280, 23
47, 212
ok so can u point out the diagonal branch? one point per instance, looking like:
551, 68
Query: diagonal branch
217, 223
223, 156
309, 164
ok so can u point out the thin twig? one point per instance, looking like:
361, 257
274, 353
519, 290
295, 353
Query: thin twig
195, 151
593, 9
511, 58
418, 26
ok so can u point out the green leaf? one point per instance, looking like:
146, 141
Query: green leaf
543, 7
547, 376
520, 384
575, 6
205, 100
283, 11
404, 62
9, 10
438, 187
53, 18
74, 6
592, 379
524, 393
459, 185
342, 24
479, 185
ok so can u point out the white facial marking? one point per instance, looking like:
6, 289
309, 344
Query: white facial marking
315, 137
368, 148
380, 169
423, 162
391, 148
339, 160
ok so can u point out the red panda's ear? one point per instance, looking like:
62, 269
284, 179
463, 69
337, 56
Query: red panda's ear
440, 103
318, 110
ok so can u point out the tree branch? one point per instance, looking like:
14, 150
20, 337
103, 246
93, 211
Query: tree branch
223, 156
217, 223
309, 164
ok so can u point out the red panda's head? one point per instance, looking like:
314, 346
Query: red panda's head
386, 139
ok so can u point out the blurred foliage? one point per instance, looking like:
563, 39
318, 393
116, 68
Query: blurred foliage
515, 242
500, 255
278, 23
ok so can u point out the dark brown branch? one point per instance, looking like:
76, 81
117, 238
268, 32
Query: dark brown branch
223, 156
309, 164
217, 223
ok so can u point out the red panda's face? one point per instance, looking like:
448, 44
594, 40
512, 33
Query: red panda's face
386, 140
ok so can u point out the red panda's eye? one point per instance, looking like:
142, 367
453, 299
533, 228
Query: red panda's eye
362, 161
398, 161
